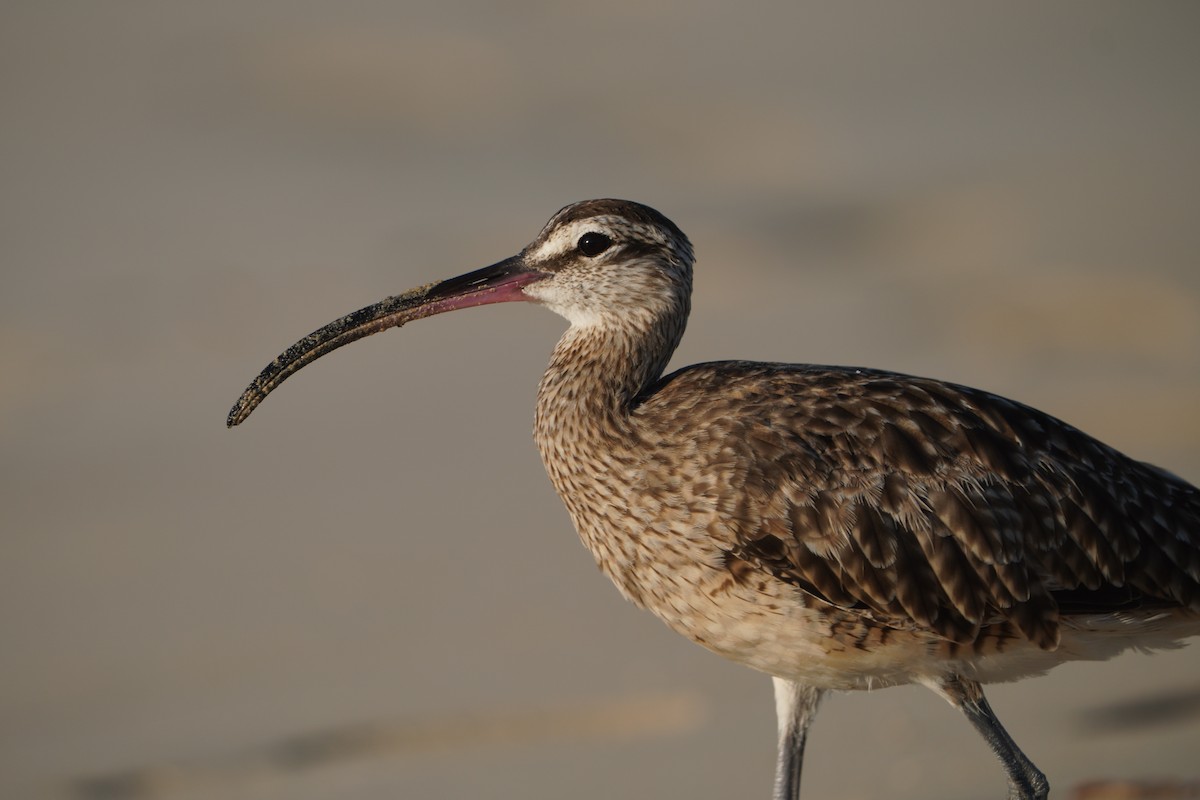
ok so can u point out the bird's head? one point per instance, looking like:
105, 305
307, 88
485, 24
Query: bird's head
609, 261
598, 262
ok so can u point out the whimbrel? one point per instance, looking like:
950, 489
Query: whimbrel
836, 528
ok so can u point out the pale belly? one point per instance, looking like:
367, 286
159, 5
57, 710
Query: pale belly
765, 624
768, 625
775, 634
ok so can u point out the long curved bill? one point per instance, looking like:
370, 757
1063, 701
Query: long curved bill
502, 282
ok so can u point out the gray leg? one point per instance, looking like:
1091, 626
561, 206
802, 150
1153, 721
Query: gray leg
795, 706
1025, 781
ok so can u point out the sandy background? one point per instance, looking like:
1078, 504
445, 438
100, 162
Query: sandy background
370, 590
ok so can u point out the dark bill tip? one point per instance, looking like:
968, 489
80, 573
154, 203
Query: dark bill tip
499, 283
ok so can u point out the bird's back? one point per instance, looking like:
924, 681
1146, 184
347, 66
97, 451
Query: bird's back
918, 504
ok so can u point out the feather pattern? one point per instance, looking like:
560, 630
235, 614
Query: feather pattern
780, 513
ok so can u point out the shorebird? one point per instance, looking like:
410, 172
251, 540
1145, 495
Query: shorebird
836, 528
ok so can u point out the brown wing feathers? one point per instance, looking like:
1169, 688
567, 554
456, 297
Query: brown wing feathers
914, 502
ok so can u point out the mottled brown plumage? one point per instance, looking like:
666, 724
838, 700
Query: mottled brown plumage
836, 528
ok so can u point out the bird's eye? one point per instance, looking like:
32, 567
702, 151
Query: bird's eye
593, 244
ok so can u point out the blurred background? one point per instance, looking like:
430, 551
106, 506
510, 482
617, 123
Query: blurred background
370, 590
